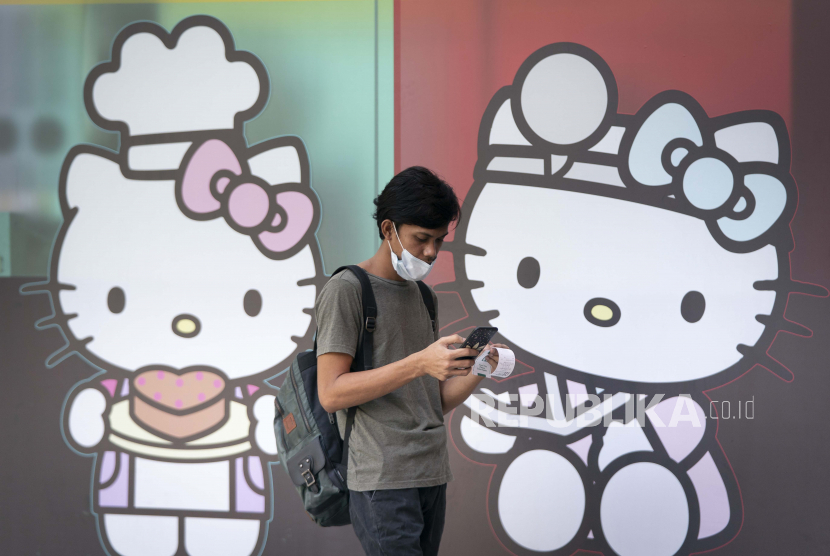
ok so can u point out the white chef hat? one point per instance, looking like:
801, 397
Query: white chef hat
190, 80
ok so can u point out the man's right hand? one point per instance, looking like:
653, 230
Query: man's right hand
439, 360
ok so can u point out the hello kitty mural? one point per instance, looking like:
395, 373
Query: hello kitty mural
186, 270
626, 257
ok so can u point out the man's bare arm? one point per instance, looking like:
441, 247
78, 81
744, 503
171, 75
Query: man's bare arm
454, 392
337, 388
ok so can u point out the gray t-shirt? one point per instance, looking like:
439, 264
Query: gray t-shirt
398, 440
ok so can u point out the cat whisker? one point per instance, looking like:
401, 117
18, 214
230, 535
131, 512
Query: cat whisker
35, 288
767, 361
463, 249
54, 320
788, 326
59, 356
791, 286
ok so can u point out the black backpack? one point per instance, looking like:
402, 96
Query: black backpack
308, 440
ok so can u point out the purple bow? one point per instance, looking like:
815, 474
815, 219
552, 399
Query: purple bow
214, 184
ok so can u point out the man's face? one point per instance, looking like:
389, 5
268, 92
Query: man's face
423, 243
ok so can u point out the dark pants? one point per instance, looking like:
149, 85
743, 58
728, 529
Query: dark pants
399, 522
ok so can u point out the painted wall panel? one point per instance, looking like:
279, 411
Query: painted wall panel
644, 215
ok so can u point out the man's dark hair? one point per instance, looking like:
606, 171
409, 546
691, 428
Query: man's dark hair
417, 196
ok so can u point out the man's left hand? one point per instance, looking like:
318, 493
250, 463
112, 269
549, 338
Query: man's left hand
493, 356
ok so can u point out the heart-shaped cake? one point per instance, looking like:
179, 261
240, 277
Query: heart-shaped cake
179, 405
179, 392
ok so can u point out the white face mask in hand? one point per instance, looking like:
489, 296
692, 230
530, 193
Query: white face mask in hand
409, 267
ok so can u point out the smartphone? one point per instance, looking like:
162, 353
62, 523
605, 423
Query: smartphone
478, 338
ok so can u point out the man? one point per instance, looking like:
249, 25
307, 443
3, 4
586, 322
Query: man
398, 466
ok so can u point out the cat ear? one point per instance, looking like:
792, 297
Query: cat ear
88, 178
502, 129
754, 136
758, 136
284, 161
499, 137
280, 161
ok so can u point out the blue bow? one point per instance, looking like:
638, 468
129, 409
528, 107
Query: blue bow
731, 171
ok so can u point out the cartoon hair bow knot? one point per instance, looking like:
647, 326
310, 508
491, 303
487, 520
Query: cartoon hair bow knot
214, 184
708, 181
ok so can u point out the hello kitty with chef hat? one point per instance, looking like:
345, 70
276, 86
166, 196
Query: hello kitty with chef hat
186, 270
641, 259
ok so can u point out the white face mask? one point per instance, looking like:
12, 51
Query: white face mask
408, 267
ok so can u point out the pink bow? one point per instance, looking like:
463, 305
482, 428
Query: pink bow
213, 184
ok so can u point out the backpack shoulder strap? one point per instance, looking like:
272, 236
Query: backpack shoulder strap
427, 296
363, 356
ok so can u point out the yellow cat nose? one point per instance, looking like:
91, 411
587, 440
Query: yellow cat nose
186, 326
602, 312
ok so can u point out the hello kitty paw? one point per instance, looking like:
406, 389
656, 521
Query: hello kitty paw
264, 432
85, 423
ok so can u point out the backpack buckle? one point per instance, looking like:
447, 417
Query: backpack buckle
309, 478
370, 324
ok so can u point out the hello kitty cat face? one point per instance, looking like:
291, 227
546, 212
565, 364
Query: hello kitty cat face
647, 248
561, 267
137, 266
